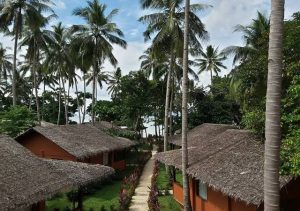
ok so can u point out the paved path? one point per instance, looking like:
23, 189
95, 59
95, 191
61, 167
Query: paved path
140, 197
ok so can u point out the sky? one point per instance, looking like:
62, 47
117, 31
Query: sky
219, 21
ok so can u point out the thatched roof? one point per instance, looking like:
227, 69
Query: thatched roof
204, 131
104, 125
231, 162
26, 179
82, 140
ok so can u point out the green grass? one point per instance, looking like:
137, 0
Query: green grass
106, 195
59, 203
179, 178
162, 179
168, 203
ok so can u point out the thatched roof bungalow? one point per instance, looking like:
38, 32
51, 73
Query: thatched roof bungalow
26, 180
203, 132
226, 173
84, 143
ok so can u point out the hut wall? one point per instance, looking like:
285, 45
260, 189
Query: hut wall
43, 147
120, 165
290, 196
97, 159
216, 201
239, 205
178, 192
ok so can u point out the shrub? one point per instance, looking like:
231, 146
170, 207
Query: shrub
128, 187
153, 203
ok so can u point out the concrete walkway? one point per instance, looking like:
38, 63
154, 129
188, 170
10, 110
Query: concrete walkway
140, 197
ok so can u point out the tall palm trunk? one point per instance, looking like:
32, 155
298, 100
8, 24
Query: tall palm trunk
78, 106
94, 91
16, 25
43, 100
211, 77
84, 99
155, 125
36, 87
186, 195
273, 129
59, 101
171, 106
167, 104
66, 101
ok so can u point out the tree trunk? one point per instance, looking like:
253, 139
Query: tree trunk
186, 195
94, 89
59, 99
66, 102
155, 126
78, 106
14, 91
36, 89
43, 106
84, 98
211, 77
167, 104
273, 129
31, 96
171, 107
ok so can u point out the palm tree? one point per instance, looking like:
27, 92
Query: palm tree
59, 62
13, 13
211, 61
101, 77
83, 61
36, 39
186, 192
5, 63
98, 35
254, 35
114, 83
153, 65
167, 24
273, 128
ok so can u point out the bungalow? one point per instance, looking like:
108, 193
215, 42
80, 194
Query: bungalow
26, 180
226, 173
203, 132
83, 143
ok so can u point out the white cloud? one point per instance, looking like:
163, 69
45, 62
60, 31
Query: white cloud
59, 4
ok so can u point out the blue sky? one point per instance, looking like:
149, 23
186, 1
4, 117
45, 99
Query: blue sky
219, 22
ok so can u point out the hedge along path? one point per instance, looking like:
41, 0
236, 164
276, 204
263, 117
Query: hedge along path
141, 194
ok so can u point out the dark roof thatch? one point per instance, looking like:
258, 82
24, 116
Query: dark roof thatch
201, 132
26, 179
82, 141
103, 125
232, 163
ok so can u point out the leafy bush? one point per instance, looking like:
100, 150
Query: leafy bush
16, 120
128, 187
255, 121
153, 203
290, 154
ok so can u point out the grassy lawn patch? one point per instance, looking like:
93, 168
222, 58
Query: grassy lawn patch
162, 179
179, 178
106, 195
58, 203
168, 203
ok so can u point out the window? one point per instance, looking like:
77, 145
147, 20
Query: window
202, 190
